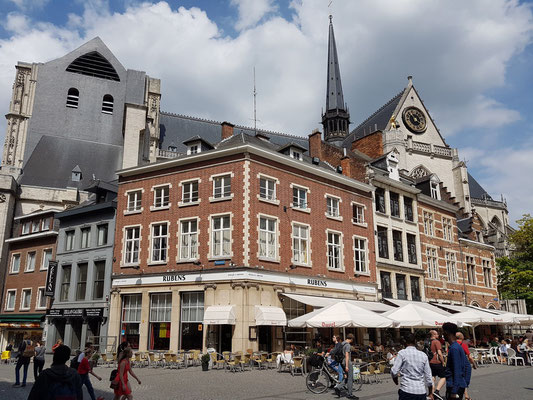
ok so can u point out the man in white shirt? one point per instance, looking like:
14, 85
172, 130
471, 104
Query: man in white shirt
413, 367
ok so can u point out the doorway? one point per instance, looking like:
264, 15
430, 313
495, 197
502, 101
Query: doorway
265, 338
220, 337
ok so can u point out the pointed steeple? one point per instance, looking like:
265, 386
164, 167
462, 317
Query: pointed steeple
336, 119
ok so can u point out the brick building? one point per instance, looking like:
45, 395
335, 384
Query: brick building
233, 231
32, 246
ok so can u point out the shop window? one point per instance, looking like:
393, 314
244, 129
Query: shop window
408, 208
411, 248
135, 201
221, 186
267, 189
334, 250
131, 319
383, 242
161, 196
99, 280
69, 240
386, 287
30, 262
160, 314
25, 299
300, 244
400, 287
159, 242
47, 257
221, 236
65, 282
189, 240
85, 238
81, 286
415, 288
132, 244
102, 234
268, 241
15, 263
394, 204
380, 200
192, 316
190, 192
360, 256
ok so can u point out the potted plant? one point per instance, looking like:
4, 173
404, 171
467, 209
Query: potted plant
205, 361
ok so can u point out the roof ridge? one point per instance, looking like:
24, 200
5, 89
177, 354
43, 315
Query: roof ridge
191, 117
80, 140
379, 110
271, 132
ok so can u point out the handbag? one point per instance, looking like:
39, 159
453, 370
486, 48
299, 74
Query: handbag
114, 384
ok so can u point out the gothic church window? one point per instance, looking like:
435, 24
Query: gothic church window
107, 104
73, 97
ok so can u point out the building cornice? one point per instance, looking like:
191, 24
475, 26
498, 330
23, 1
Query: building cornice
423, 198
398, 185
473, 243
31, 236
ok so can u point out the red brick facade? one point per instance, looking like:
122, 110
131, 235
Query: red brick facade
371, 145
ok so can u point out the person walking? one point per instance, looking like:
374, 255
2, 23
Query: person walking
437, 364
457, 367
335, 357
471, 363
348, 367
59, 342
412, 365
25, 352
123, 390
84, 369
38, 359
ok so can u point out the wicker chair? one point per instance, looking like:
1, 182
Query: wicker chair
297, 366
235, 363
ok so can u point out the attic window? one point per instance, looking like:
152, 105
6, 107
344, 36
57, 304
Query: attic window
172, 148
76, 174
194, 149
434, 186
73, 97
107, 104
296, 155
94, 64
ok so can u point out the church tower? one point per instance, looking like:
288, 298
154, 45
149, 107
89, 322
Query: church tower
336, 118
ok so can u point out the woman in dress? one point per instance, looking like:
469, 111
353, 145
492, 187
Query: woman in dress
55, 346
123, 391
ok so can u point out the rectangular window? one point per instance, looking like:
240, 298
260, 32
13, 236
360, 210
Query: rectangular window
102, 234
160, 311
159, 242
161, 196
189, 240
30, 262
10, 300
221, 236
135, 200
69, 240
132, 244
447, 229
394, 204
400, 287
383, 242
487, 276
46, 224
35, 225
81, 286
299, 198
15, 263
334, 251
398, 245
131, 319
380, 200
386, 286
192, 316
451, 267
433, 267
47, 256
358, 214
190, 192
99, 280
411, 248
300, 244
222, 186
408, 208
85, 238
470, 269
26, 228
41, 299
415, 288
267, 189
360, 256
428, 223
25, 300
268, 242
193, 149
435, 190
332, 205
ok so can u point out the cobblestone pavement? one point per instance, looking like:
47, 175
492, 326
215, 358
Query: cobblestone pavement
489, 382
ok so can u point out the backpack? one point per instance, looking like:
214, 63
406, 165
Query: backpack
316, 361
337, 355
60, 390
113, 375
74, 363
427, 349
29, 349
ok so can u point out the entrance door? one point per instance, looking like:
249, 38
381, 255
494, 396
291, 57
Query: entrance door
76, 334
226, 333
265, 338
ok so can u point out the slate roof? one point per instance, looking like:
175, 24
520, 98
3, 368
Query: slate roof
464, 225
54, 158
476, 190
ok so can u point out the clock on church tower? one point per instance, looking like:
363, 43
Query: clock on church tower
414, 119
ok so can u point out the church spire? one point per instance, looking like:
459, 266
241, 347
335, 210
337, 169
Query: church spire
336, 118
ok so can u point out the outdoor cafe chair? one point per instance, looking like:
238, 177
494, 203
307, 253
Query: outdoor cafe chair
271, 359
370, 371
151, 360
297, 366
167, 360
262, 361
492, 356
380, 370
214, 358
235, 363
513, 358
246, 361
223, 361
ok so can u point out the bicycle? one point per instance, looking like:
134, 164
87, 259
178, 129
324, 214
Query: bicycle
324, 377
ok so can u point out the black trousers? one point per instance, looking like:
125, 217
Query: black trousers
409, 396
38, 366
460, 392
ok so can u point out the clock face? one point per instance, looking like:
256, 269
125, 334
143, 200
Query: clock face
414, 119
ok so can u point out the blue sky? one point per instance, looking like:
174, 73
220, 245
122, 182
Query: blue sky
471, 63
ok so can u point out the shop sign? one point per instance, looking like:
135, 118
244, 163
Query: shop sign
94, 312
73, 312
54, 312
317, 282
173, 278
51, 279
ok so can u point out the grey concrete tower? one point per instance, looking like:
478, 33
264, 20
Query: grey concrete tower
336, 118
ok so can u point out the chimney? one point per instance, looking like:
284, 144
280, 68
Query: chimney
227, 130
315, 144
346, 165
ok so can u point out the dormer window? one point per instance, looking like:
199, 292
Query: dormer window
194, 149
76, 174
296, 155
173, 148
434, 187
197, 144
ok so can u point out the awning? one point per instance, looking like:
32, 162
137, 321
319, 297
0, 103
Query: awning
319, 301
273, 316
428, 306
412, 315
21, 318
219, 315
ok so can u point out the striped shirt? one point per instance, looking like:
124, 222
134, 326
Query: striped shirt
413, 365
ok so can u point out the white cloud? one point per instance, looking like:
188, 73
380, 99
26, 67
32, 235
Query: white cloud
252, 11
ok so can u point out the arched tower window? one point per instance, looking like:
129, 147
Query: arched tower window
107, 104
73, 97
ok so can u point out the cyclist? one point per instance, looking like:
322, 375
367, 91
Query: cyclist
335, 358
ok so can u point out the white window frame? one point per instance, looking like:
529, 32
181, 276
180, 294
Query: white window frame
155, 189
429, 227
26, 227
44, 263
451, 266
300, 188
137, 195
163, 240
470, 261
330, 208
22, 291
45, 224
99, 228
447, 229
487, 265
188, 201
433, 266
273, 199
361, 207
35, 225
222, 178
27, 267
189, 235
6, 305
266, 233
87, 243
40, 296
341, 250
364, 254
212, 232
434, 189
12, 263
71, 242
299, 239
296, 154
194, 148
132, 240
